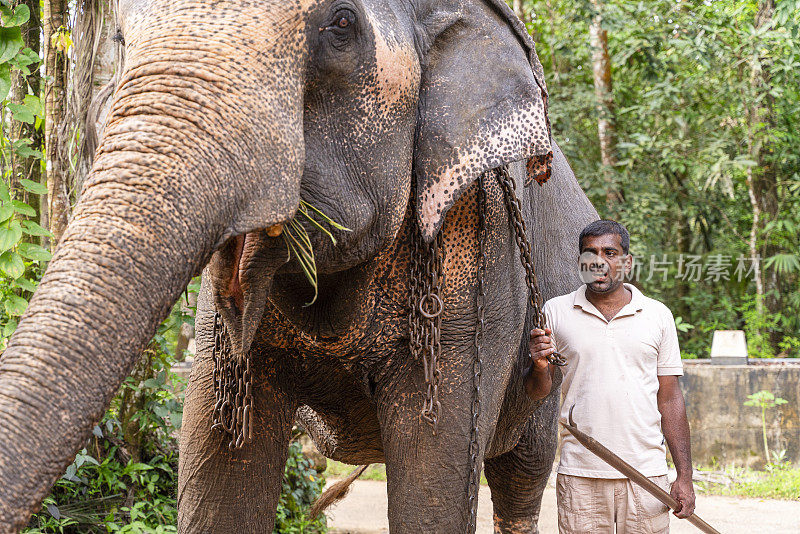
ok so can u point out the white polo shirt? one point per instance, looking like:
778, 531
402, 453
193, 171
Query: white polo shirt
611, 378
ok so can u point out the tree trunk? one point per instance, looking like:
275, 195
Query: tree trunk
96, 60
186, 333
762, 180
132, 401
517, 7
606, 128
55, 68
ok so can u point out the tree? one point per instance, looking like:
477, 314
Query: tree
606, 129
57, 41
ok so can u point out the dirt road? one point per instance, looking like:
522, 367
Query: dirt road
363, 511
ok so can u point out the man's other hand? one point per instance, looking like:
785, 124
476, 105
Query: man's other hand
683, 492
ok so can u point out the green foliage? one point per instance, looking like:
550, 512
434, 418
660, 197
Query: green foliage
300, 488
684, 96
781, 482
764, 400
22, 258
119, 484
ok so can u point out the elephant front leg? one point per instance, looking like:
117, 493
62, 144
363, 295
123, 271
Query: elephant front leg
232, 491
518, 478
428, 475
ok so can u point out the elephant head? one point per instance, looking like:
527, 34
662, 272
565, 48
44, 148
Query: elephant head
226, 114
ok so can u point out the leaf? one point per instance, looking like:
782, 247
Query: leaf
10, 236
33, 103
21, 113
33, 187
11, 264
34, 252
25, 151
9, 327
70, 473
138, 467
10, 43
26, 57
150, 383
176, 418
23, 209
52, 509
97, 432
6, 211
61, 40
5, 80
32, 228
15, 305
25, 284
4, 195
18, 17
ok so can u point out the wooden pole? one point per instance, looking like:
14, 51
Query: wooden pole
635, 476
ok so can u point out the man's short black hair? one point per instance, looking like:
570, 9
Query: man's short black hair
605, 227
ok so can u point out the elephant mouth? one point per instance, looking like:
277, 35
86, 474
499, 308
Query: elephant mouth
241, 274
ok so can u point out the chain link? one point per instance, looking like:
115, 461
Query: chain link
233, 390
425, 319
477, 366
521, 237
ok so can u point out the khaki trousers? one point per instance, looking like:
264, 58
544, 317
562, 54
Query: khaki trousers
599, 505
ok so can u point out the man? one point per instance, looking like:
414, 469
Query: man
622, 374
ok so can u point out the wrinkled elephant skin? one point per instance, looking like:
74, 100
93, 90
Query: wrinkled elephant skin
382, 114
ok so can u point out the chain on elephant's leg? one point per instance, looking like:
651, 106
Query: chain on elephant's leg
220, 490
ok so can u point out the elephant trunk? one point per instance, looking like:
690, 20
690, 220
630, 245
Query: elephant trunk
144, 226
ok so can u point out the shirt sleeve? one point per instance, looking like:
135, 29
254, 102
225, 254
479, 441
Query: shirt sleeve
669, 354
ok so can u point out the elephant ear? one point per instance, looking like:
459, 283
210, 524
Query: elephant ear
483, 104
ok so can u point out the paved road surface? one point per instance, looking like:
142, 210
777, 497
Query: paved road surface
363, 511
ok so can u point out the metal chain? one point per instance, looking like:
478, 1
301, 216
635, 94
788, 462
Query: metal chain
425, 318
477, 366
233, 390
521, 237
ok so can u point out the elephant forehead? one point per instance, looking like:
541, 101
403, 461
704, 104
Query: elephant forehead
129, 7
259, 24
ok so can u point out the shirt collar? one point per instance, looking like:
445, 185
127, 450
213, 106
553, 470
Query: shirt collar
635, 305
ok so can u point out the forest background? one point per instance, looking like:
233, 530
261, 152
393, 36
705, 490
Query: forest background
680, 119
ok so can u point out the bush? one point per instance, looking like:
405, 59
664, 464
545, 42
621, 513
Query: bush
302, 486
125, 479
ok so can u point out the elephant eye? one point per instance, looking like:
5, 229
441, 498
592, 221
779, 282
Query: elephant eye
342, 20
119, 38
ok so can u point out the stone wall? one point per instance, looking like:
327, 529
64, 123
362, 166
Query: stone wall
727, 432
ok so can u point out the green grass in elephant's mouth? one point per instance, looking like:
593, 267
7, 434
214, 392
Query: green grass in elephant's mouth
299, 244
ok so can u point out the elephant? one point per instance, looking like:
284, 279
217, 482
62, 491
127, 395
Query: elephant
383, 114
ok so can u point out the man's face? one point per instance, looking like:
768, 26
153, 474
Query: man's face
602, 263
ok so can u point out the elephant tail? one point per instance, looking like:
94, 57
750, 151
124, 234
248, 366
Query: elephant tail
336, 492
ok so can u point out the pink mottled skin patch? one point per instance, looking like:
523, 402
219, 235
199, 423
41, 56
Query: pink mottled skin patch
398, 69
522, 134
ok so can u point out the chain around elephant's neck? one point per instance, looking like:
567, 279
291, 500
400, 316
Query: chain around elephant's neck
233, 390
425, 317
426, 307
